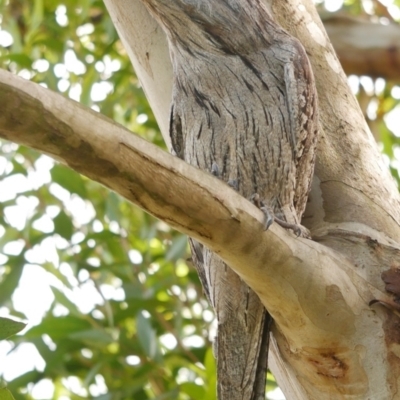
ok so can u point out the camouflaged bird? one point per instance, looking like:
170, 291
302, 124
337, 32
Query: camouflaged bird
244, 108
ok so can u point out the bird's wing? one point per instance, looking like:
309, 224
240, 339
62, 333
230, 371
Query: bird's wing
241, 345
302, 105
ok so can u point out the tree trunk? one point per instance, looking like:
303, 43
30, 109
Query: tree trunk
329, 343
354, 204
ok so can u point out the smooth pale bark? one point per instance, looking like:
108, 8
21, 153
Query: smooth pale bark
354, 208
364, 47
353, 192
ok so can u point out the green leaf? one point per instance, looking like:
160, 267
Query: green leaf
93, 337
9, 327
5, 394
209, 363
91, 76
194, 391
58, 328
177, 249
63, 225
21, 59
10, 282
69, 180
37, 16
172, 394
147, 336
65, 301
49, 267
107, 396
271, 382
112, 207
23, 380
92, 373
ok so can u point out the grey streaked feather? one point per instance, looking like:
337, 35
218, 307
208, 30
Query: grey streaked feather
244, 107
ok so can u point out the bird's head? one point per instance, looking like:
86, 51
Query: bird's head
230, 26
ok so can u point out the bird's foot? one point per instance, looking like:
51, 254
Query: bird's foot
233, 183
299, 230
269, 218
268, 215
215, 169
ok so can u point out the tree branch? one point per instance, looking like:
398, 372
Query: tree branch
364, 47
308, 288
188, 199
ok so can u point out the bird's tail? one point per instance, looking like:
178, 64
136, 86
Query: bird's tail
242, 338
241, 345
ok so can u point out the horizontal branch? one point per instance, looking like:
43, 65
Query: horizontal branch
313, 293
188, 199
364, 47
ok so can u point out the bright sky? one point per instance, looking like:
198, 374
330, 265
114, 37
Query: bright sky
34, 295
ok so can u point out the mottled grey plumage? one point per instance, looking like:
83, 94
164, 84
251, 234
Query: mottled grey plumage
244, 99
